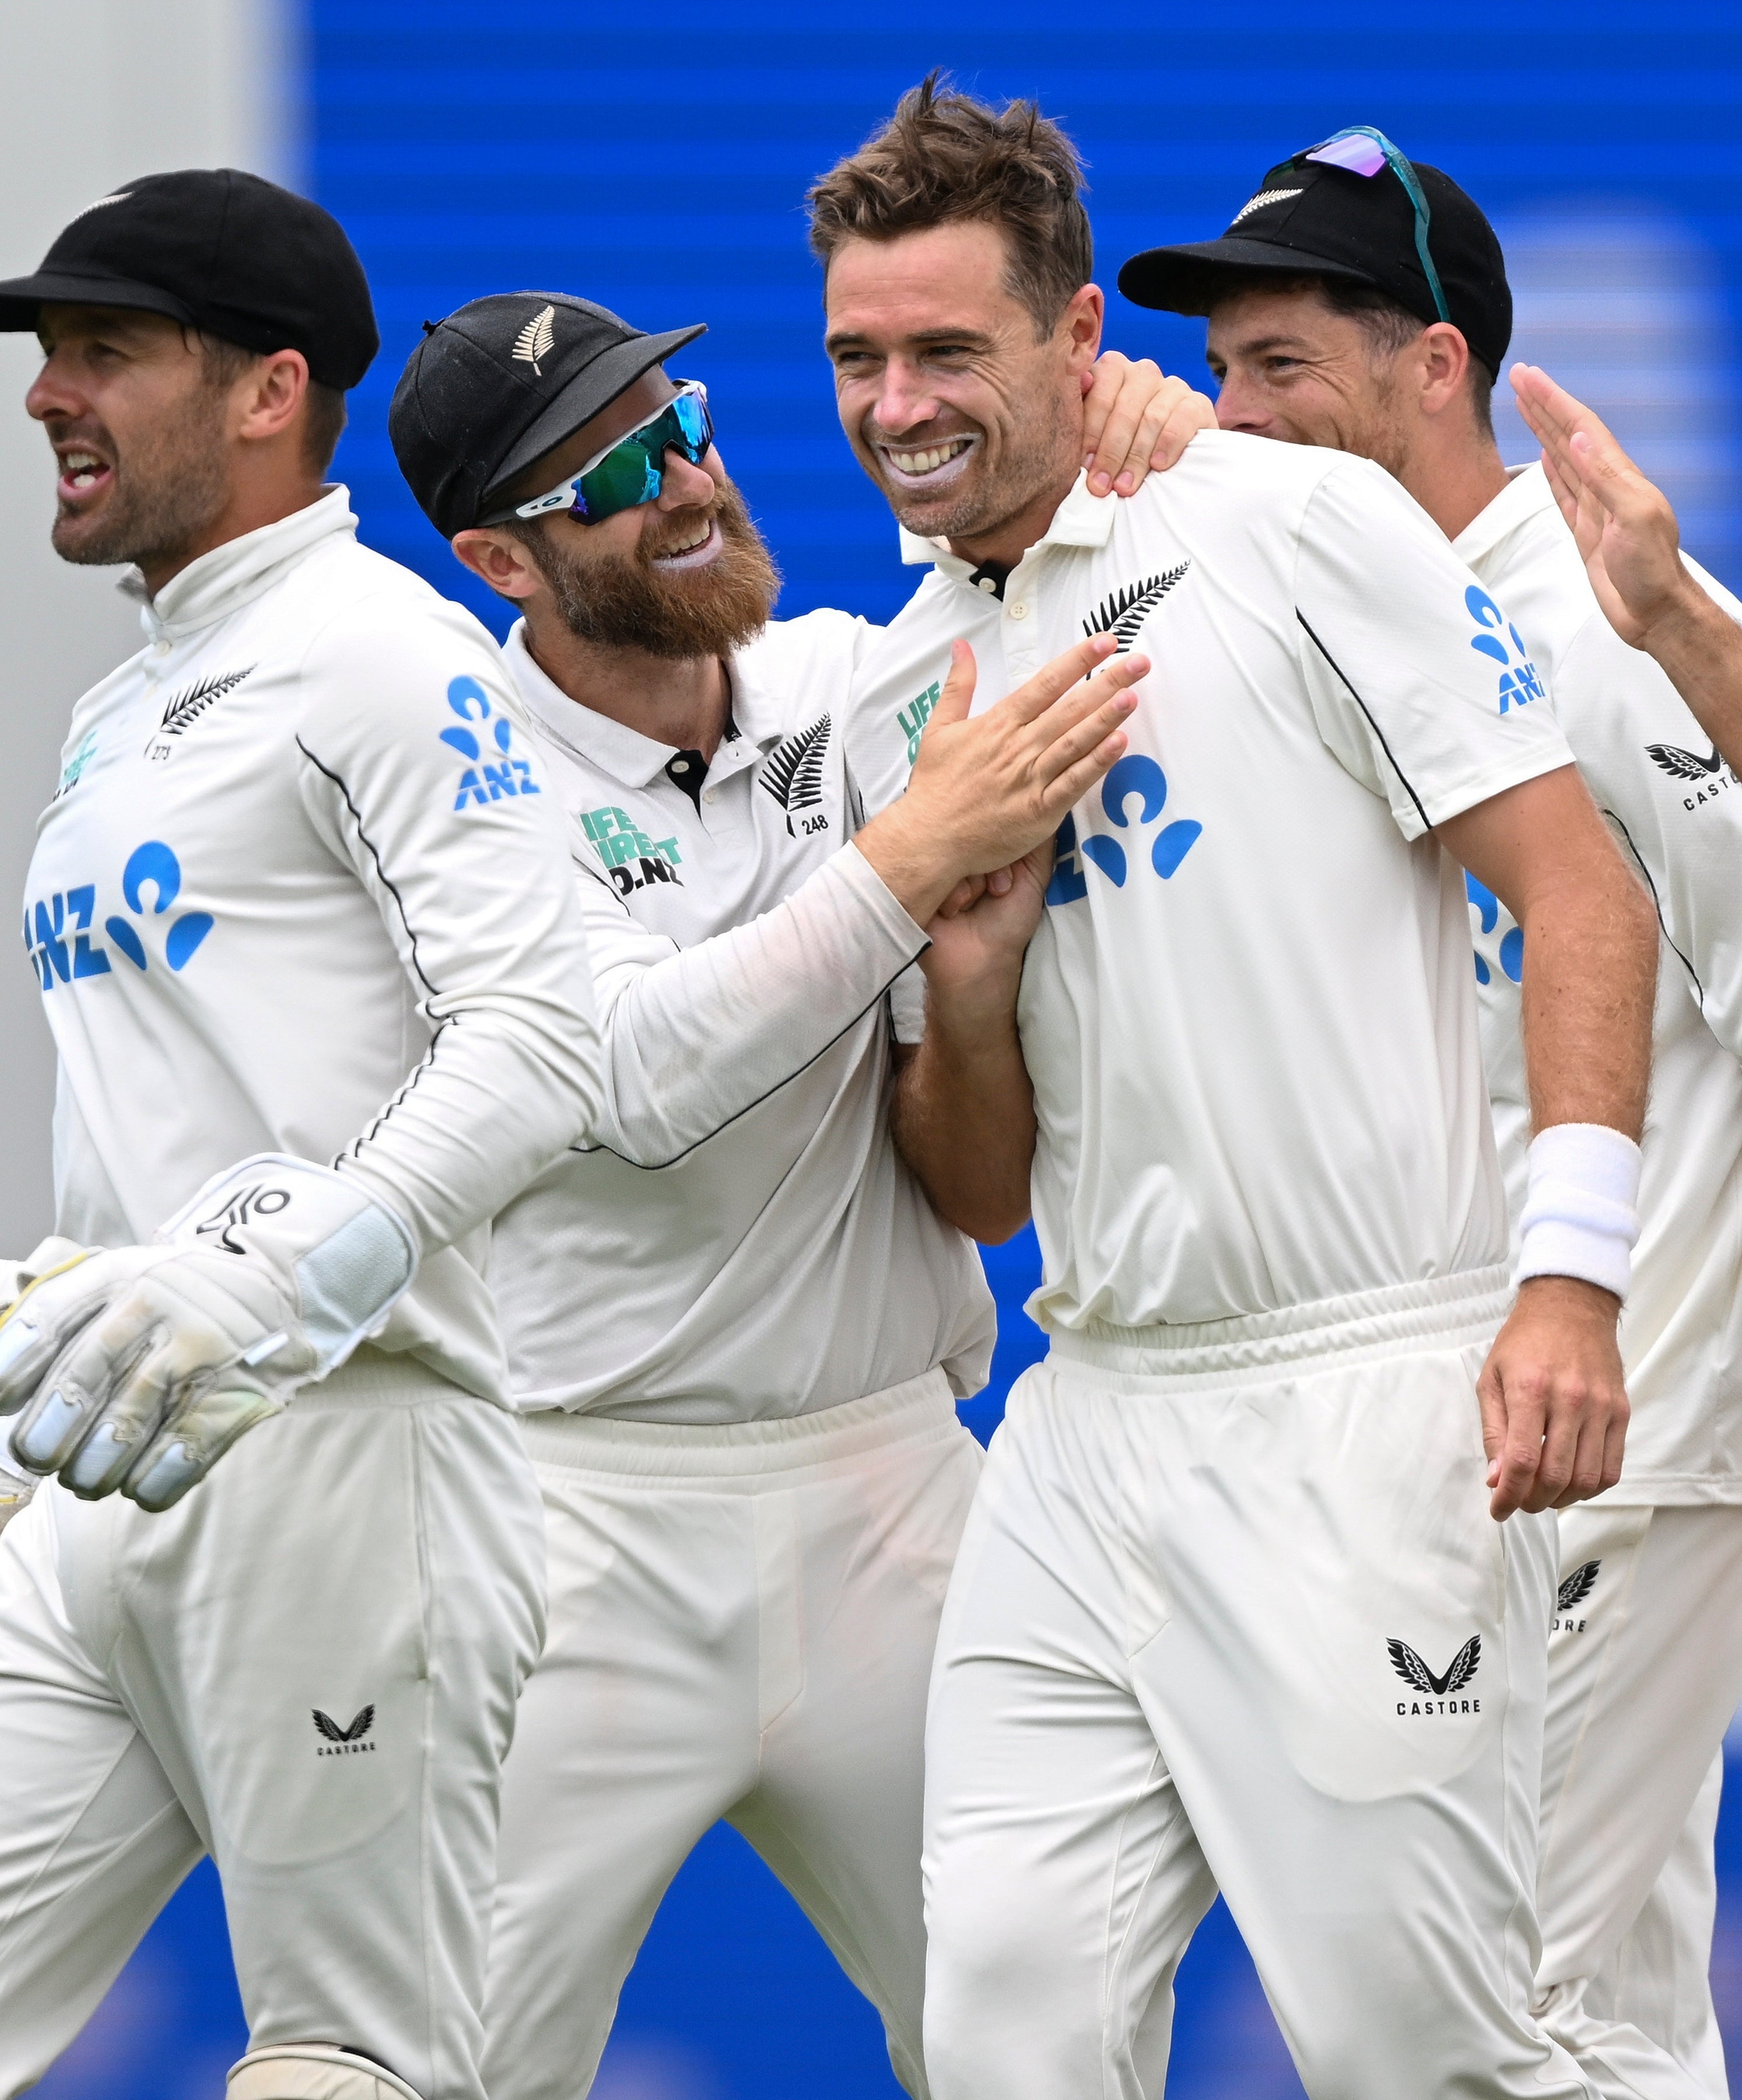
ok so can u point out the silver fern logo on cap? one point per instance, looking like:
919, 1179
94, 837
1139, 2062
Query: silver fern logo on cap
119, 196
1258, 203
537, 339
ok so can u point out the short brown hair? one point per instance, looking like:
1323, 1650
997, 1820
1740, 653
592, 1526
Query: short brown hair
324, 418
943, 157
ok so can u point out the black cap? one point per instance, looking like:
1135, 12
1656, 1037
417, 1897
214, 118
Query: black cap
226, 252
501, 382
1308, 220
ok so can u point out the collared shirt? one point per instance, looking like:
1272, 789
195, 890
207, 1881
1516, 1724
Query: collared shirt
301, 890
739, 1241
1677, 810
1249, 1011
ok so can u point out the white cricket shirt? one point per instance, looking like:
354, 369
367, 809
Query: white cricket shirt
1249, 1011
1677, 808
303, 889
738, 1240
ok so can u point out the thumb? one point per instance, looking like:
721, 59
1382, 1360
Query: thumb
958, 694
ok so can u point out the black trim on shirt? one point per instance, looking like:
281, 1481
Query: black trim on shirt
659, 1166
1657, 904
392, 889
1368, 712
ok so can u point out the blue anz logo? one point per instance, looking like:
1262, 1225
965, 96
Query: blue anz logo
485, 780
57, 928
1136, 776
1485, 906
1519, 682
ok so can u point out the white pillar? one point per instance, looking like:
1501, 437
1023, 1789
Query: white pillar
92, 92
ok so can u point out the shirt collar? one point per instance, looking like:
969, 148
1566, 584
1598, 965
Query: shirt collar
1081, 520
1526, 496
615, 749
216, 584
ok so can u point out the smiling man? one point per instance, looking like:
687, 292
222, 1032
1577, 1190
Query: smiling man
736, 1327
1360, 301
320, 1001
1232, 1608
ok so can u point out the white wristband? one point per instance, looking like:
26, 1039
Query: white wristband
1581, 1214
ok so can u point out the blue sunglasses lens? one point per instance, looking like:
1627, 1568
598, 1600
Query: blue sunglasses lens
633, 472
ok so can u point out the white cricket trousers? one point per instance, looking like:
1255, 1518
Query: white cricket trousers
742, 1622
1230, 1610
1645, 1671
308, 1669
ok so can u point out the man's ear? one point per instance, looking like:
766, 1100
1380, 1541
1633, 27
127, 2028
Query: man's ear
1444, 367
1081, 324
500, 560
269, 395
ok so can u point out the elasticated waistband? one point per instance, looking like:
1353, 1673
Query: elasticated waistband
378, 1378
1444, 1311
922, 1407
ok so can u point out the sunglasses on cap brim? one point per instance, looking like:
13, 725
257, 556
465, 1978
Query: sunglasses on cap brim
1363, 151
631, 470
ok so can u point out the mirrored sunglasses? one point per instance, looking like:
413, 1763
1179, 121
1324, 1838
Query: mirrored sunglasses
632, 471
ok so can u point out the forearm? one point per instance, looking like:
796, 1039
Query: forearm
1699, 648
1590, 975
507, 1084
693, 1041
964, 1114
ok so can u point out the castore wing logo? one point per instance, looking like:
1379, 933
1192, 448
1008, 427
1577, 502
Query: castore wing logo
57, 928
792, 773
1572, 1593
485, 780
1708, 776
337, 1742
1123, 612
1135, 775
1438, 1689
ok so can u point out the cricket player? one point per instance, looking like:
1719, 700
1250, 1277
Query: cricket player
1361, 301
306, 931
737, 1324
1232, 1608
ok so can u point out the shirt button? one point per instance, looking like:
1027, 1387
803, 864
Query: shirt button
707, 794
1019, 611
679, 766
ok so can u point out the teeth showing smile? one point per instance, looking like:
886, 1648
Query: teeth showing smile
82, 468
929, 461
697, 540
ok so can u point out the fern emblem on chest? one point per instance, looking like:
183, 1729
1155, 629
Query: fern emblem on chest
1121, 612
792, 773
182, 709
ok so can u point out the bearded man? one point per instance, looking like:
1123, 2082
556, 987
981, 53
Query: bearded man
737, 1326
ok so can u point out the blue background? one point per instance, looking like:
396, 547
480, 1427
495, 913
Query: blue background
656, 160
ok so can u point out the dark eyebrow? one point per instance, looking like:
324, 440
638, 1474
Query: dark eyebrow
972, 339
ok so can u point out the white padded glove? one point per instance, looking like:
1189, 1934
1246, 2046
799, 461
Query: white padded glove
139, 1367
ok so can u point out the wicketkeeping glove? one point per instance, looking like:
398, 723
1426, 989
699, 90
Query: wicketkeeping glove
141, 1366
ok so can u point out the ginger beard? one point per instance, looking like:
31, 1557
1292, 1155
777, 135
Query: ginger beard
633, 601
